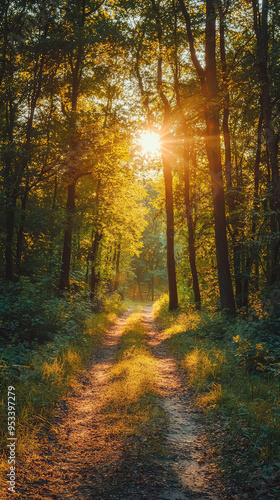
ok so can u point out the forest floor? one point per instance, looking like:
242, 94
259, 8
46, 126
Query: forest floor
83, 458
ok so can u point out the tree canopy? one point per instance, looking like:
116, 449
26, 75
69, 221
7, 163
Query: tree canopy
83, 206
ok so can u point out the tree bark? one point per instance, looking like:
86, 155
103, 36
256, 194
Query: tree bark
213, 149
252, 254
272, 137
76, 75
210, 92
191, 245
213, 154
14, 178
64, 283
231, 197
186, 159
165, 149
171, 268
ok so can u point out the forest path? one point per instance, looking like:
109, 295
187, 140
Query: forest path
185, 436
82, 459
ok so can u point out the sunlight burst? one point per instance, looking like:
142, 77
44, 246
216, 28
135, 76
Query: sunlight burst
150, 142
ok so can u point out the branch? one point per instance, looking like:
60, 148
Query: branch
234, 63
144, 94
200, 71
87, 14
159, 70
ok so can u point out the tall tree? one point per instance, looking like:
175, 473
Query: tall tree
271, 132
186, 160
25, 70
166, 156
210, 92
76, 55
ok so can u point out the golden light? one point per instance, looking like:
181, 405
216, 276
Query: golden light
150, 142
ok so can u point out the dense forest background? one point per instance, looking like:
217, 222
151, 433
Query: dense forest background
139, 155
80, 82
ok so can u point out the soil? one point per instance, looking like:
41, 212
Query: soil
81, 459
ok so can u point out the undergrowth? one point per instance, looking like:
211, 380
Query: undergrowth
233, 369
42, 372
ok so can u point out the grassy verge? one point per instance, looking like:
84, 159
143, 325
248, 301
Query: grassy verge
235, 379
41, 374
132, 395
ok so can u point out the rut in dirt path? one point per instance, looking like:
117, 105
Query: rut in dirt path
61, 468
83, 460
185, 438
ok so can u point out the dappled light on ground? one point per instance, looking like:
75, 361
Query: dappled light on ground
128, 430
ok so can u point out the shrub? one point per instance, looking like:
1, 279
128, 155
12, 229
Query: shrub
29, 312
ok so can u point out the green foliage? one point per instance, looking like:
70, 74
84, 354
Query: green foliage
160, 308
255, 357
113, 302
149, 266
29, 312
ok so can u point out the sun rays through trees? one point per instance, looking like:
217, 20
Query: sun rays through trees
139, 156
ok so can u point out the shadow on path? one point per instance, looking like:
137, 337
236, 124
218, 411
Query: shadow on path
83, 458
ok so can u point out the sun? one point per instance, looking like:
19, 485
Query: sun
150, 142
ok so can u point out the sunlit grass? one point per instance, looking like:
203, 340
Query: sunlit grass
212, 397
231, 383
204, 367
50, 371
132, 392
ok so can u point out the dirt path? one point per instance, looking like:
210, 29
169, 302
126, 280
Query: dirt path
62, 469
185, 439
83, 460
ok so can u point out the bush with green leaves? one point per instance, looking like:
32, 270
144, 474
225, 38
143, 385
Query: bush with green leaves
30, 312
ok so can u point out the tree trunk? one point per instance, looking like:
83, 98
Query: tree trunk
186, 158
234, 218
210, 92
191, 245
95, 277
166, 162
171, 268
64, 283
140, 291
213, 154
252, 253
94, 280
213, 149
272, 137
